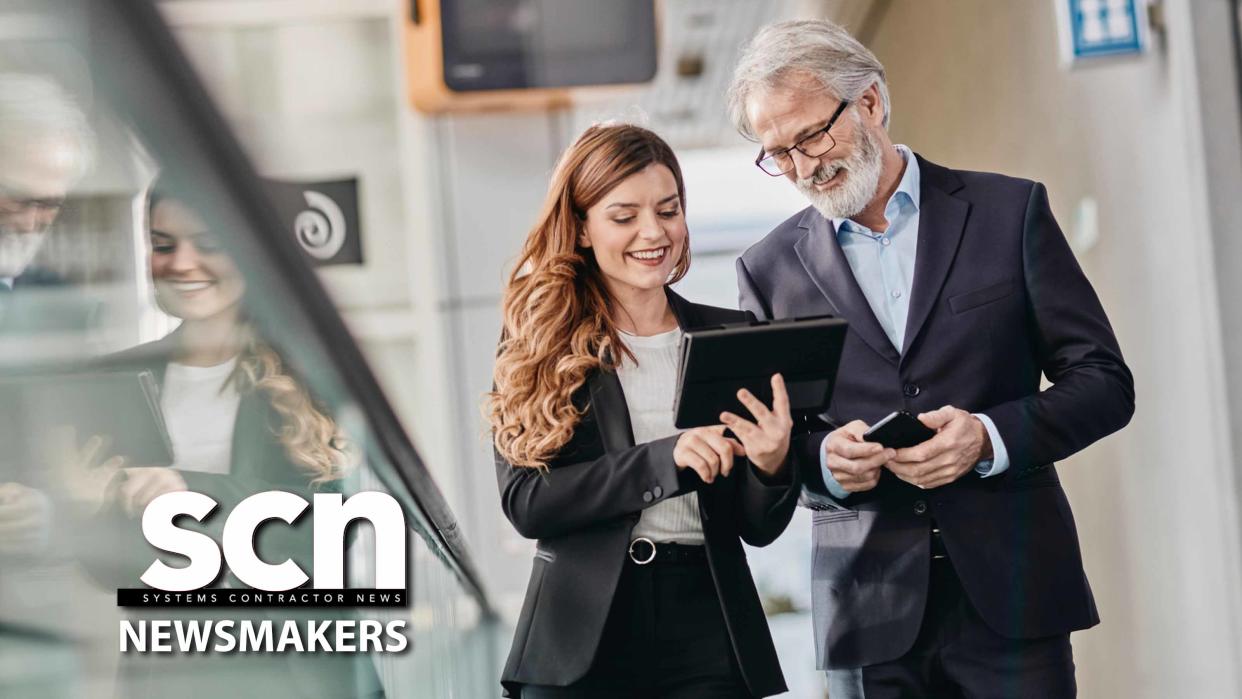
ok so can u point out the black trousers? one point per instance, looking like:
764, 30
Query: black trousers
957, 656
665, 638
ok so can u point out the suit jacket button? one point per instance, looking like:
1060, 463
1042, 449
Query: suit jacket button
910, 390
657, 491
920, 507
647, 496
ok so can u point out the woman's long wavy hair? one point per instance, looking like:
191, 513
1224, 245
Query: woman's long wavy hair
559, 322
310, 437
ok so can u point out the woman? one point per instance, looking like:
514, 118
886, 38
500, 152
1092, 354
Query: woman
240, 424
640, 585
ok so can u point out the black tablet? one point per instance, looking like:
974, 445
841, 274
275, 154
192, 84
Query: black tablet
718, 361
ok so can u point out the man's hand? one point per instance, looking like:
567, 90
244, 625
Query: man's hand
855, 464
961, 441
142, 485
25, 519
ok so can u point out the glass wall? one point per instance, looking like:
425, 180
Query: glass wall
163, 329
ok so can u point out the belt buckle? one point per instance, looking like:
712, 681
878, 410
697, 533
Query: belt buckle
634, 556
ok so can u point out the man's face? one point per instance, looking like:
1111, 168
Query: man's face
841, 182
34, 180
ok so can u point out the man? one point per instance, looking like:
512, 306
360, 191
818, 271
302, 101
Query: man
46, 146
950, 568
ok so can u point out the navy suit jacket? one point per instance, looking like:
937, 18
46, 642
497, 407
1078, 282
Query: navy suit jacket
998, 299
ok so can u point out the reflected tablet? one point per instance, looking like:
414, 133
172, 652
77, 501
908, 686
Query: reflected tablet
717, 361
121, 406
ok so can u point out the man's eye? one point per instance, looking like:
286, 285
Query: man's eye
780, 156
814, 139
162, 248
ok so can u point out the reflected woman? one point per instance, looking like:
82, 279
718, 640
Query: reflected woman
640, 585
241, 423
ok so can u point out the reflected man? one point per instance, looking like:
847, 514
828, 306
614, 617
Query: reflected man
46, 146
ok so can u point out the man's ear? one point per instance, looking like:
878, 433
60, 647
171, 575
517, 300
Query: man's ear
871, 106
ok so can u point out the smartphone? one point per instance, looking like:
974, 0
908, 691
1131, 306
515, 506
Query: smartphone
898, 431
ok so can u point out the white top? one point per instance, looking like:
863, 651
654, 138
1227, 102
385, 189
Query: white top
649, 390
200, 416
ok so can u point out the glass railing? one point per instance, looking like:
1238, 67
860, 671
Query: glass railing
163, 329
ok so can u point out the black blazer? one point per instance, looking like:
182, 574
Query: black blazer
998, 300
583, 510
258, 463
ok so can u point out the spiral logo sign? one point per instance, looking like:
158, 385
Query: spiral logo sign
321, 228
323, 217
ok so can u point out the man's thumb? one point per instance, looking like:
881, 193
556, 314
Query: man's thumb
937, 418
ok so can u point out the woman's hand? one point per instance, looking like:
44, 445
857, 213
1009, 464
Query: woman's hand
82, 475
142, 485
707, 451
766, 444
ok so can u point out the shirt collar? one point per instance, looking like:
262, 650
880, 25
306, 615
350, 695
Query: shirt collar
908, 188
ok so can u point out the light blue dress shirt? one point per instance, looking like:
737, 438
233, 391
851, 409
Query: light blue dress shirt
883, 265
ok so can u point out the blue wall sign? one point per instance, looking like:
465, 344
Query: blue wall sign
1091, 28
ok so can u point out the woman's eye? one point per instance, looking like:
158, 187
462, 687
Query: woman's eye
671, 213
207, 244
623, 221
162, 248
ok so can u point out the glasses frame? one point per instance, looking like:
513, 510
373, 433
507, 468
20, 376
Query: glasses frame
832, 120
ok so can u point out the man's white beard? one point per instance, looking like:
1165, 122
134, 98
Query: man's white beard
862, 180
17, 250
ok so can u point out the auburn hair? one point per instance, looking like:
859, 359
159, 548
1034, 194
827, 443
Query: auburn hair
559, 321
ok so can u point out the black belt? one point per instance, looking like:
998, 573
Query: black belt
643, 551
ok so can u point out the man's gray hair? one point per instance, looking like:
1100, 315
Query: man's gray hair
813, 48
35, 109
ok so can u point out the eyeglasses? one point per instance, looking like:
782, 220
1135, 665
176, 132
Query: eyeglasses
812, 145
13, 203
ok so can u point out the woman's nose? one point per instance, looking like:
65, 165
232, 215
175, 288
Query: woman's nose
184, 257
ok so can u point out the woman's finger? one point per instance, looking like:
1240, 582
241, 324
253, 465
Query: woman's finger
707, 472
154, 488
754, 405
743, 428
724, 451
130, 488
780, 398
707, 453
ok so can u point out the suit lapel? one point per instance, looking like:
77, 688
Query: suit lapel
612, 417
825, 262
942, 218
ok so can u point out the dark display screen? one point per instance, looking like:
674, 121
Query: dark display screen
505, 44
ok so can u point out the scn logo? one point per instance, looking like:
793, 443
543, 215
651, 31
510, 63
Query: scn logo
332, 516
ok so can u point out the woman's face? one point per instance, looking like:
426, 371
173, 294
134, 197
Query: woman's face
194, 279
638, 231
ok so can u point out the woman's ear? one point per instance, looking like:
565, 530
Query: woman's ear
583, 239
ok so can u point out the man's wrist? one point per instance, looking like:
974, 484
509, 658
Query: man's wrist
985, 440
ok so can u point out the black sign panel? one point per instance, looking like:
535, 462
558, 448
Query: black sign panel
322, 217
